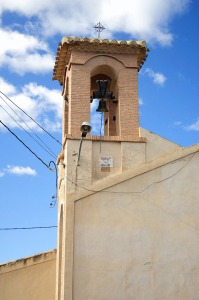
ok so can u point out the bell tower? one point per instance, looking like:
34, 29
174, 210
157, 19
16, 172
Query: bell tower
80, 63
106, 70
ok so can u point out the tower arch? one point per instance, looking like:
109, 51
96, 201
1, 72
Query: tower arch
107, 71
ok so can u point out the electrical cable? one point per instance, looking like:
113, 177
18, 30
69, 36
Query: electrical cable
31, 118
51, 154
48, 227
102, 114
133, 192
54, 201
153, 183
25, 145
27, 125
27, 228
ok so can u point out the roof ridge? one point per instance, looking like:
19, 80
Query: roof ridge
138, 170
69, 39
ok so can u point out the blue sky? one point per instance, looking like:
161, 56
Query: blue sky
29, 35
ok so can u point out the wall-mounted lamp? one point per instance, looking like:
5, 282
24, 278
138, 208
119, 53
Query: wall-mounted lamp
85, 128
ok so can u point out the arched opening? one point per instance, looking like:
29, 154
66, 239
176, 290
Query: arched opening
104, 123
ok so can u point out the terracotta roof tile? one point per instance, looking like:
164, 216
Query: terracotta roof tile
116, 46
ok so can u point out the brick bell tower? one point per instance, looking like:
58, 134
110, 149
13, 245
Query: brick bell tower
81, 65
80, 62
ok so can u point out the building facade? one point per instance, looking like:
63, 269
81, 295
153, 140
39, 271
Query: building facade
128, 210
128, 199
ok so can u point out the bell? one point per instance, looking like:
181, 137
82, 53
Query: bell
102, 106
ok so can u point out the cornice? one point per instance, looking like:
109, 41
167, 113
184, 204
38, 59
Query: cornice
68, 44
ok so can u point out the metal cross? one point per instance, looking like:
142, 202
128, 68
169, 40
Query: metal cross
99, 27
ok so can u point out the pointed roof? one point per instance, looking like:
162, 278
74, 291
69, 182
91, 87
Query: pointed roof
96, 45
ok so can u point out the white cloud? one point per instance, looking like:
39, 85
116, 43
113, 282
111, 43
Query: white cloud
158, 78
46, 99
42, 104
140, 101
193, 127
177, 123
146, 19
27, 8
6, 87
19, 170
24, 53
96, 119
33, 28
2, 174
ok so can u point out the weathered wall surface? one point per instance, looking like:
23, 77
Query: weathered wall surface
156, 145
125, 156
32, 278
138, 239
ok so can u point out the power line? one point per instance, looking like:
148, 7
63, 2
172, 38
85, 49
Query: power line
31, 118
27, 228
102, 114
51, 152
25, 145
55, 226
133, 192
25, 124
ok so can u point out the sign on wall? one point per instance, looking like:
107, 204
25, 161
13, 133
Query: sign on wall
106, 161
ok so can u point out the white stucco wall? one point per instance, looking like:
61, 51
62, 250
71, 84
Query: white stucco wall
138, 239
156, 145
125, 156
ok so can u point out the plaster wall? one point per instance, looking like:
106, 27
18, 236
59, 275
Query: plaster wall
138, 238
124, 155
88, 176
156, 145
31, 278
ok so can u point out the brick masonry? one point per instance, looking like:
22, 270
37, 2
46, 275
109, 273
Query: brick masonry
122, 70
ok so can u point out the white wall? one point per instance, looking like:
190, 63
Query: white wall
139, 238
